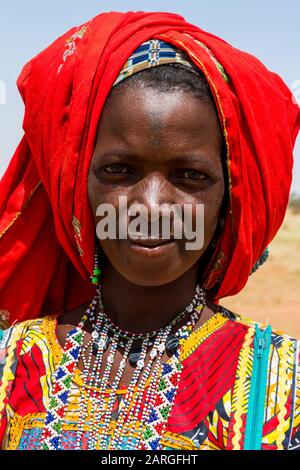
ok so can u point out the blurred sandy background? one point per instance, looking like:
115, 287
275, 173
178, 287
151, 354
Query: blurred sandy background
273, 291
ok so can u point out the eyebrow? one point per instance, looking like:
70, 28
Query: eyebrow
200, 158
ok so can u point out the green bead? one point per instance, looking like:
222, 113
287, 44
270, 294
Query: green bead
95, 280
53, 403
57, 427
97, 272
148, 433
67, 381
165, 411
64, 359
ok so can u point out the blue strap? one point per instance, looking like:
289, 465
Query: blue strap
257, 397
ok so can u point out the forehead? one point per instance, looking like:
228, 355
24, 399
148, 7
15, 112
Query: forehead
136, 113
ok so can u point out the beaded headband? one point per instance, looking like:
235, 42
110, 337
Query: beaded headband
150, 54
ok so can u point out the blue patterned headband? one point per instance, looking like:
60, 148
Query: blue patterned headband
150, 54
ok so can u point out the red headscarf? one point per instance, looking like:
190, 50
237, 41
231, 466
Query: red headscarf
46, 225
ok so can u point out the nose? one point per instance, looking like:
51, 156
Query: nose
150, 194
154, 189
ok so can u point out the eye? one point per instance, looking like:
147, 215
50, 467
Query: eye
193, 175
116, 168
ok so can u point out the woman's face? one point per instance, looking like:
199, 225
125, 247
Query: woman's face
155, 147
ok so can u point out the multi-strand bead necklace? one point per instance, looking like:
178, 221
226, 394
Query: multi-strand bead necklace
147, 403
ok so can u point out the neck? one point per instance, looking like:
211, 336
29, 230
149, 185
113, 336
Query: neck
146, 308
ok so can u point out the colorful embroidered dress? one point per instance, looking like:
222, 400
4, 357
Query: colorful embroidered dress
219, 396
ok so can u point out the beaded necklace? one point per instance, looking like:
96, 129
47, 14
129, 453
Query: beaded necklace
145, 410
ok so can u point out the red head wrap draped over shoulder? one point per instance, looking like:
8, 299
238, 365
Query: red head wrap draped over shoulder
46, 225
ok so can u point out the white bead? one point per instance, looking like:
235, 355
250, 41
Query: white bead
140, 363
161, 347
102, 342
153, 353
95, 334
110, 359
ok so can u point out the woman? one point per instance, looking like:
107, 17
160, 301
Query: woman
120, 343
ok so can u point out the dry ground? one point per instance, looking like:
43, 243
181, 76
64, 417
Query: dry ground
273, 291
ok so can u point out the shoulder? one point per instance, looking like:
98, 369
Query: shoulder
21, 337
284, 348
19, 331
28, 338
277, 335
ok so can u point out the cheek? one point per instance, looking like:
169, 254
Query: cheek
212, 201
99, 194
93, 193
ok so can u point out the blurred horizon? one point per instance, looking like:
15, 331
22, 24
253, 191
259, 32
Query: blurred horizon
269, 30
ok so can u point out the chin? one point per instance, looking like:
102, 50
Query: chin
152, 273
147, 278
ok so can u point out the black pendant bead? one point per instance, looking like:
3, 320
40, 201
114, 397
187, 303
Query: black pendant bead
172, 344
95, 345
134, 356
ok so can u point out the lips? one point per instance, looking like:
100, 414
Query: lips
150, 242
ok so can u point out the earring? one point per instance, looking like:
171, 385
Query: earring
96, 271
